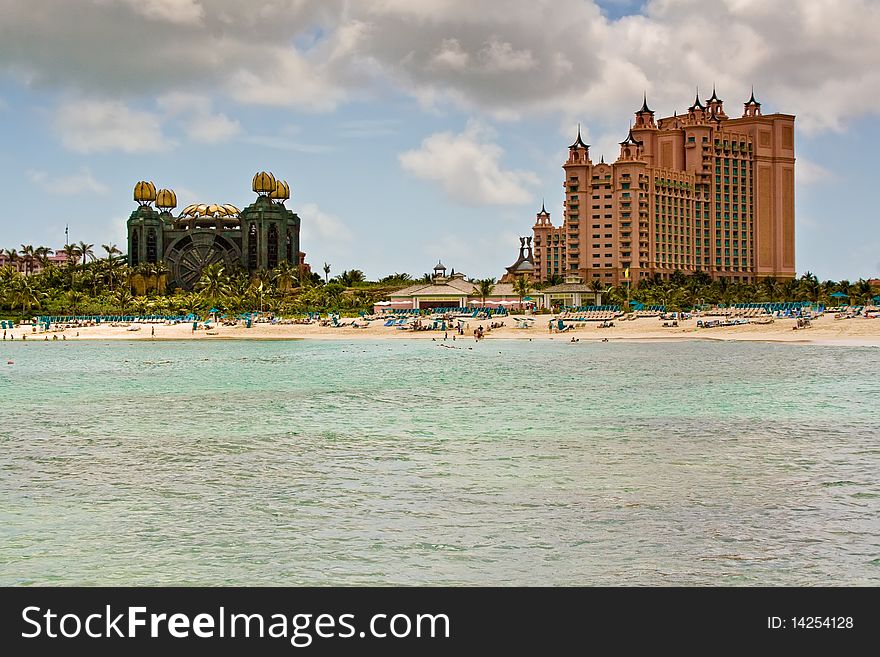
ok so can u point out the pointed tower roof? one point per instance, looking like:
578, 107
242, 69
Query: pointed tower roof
715, 97
630, 140
697, 104
579, 143
751, 100
440, 266
645, 108
543, 209
602, 159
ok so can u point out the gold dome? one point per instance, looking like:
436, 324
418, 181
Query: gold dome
202, 210
281, 191
144, 192
264, 183
166, 199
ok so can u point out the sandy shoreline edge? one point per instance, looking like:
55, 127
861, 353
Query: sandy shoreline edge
824, 331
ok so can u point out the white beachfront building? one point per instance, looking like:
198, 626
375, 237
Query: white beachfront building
453, 291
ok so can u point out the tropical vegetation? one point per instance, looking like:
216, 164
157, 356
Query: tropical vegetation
86, 284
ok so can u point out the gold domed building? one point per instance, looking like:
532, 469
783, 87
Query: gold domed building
261, 236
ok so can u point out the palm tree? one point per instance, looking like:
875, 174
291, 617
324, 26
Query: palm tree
213, 283
286, 276
597, 287
483, 288
863, 291
86, 251
522, 287
160, 271
349, 278
71, 252
122, 298
11, 257
27, 256
74, 298
41, 255
326, 273
112, 250
24, 294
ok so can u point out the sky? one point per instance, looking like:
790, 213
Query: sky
414, 131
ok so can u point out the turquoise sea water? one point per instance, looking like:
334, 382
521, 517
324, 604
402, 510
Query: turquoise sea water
312, 463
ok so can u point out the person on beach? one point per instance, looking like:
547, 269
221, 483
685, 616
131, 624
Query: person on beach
152, 331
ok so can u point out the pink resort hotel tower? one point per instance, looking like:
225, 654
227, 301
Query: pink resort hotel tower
696, 192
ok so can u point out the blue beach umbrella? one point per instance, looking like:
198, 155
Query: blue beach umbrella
840, 295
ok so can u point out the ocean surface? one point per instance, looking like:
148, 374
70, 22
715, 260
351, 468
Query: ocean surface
396, 462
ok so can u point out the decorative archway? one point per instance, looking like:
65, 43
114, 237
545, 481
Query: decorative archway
188, 255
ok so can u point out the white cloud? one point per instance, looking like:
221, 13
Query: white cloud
502, 56
94, 126
287, 80
467, 167
81, 182
450, 55
282, 143
213, 128
368, 128
199, 121
324, 237
808, 172
562, 57
185, 12
320, 226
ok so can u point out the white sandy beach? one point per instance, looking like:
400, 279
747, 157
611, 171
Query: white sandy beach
825, 330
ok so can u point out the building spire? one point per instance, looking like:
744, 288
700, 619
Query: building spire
645, 108
714, 97
752, 100
543, 209
697, 104
630, 140
579, 143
